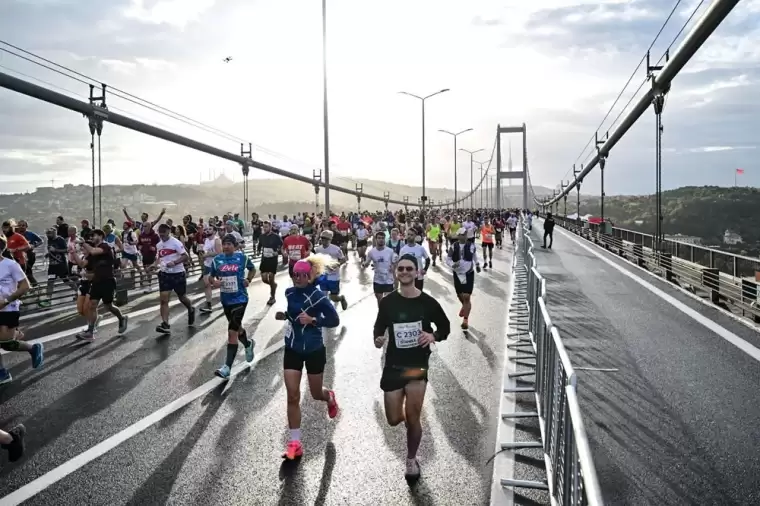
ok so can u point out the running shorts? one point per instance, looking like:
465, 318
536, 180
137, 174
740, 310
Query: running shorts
172, 282
487, 245
467, 286
129, 256
268, 264
234, 314
331, 286
10, 319
379, 288
84, 287
314, 361
103, 290
396, 378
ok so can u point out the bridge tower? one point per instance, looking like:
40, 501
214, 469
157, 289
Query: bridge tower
511, 174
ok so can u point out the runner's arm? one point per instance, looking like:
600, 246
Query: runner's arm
440, 320
381, 325
328, 316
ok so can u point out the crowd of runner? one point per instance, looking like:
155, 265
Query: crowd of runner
399, 246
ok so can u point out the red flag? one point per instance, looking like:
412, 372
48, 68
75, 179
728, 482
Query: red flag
740, 171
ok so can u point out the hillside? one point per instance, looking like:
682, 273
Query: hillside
705, 212
267, 196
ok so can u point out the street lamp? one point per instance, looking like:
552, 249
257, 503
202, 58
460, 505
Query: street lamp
472, 186
422, 99
482, 183
325, 123
455, 135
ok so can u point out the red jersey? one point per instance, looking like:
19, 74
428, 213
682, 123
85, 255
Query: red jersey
343, 227
16, 241
147, 243
297, 247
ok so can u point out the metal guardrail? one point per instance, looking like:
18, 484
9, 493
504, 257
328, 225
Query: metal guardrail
723, 277
571, 475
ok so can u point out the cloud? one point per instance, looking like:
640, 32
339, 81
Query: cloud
556, 65
177, 13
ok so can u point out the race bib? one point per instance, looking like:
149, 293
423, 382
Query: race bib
268, 252
229, 284
295, 254
344, 232
287, 332
407, 335
489, 237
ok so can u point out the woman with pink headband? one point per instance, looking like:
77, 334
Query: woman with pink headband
309, 311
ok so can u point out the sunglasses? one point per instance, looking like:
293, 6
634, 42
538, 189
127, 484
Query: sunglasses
402, 268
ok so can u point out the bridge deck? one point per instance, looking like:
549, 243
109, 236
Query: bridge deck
225, 446
678, 422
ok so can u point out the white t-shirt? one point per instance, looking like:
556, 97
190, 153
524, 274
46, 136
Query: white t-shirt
336, 253
285, 228
512, 222
383, 260
209, 246
361, 233
170, 250
11, 274
470, 227
420, 254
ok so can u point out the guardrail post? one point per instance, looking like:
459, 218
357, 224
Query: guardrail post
123, 286
711, 280
666, 260
750, 296
638, 255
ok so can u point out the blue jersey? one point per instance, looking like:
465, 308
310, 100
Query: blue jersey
314, 302
230, 269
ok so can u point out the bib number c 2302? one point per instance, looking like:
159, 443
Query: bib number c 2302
407, 335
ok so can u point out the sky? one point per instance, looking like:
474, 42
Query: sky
555, 65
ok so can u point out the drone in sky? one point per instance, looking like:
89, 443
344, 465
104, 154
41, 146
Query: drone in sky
228, 59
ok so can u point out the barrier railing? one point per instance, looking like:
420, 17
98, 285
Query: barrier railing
571, 475
724, 277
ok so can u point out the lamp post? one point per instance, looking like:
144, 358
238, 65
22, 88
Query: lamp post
472, 186
482, 182
326, 133
455, 135
423, 99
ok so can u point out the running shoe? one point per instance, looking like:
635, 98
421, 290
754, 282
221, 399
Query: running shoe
332, 406
5, 376
206, 308
86, 336
293, 451
490, 265
38, 355
412, 469
271, 301
123, 325
191, 316
249, 352
465, 324
164, 328
223, 372
343, 303
16, 447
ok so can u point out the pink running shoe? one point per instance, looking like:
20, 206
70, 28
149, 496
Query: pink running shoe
293, 451
332, 406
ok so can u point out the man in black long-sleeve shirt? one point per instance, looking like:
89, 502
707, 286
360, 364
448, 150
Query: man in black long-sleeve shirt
548, 230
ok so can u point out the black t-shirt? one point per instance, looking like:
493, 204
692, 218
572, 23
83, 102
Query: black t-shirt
102, 264
271, 245
54, 257
404, 319
63, 230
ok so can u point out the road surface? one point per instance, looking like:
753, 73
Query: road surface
221, 443
677, 424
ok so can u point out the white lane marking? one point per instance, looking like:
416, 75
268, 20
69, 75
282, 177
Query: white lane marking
706, 322
46, 480
132, 314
